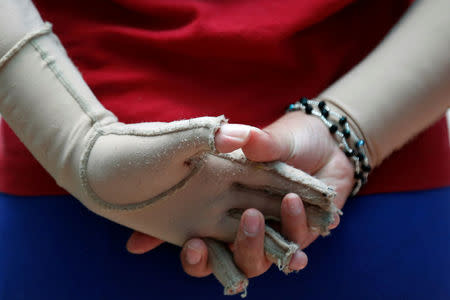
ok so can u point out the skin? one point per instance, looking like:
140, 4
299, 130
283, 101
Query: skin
411, 72
403, 81
303, 142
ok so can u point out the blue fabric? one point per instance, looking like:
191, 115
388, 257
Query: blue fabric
391, 246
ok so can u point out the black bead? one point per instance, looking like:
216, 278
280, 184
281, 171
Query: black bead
359, 175
325, 113
342, 120
366, 168
349, 153
321, 105
304, 101
360, 156
333, 129
346, 133
308, 109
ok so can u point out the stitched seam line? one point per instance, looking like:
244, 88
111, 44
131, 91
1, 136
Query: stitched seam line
98, 131
131, 206
59, 75
47, 28
149, 132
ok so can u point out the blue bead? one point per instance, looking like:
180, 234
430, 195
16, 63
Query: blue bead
359, 143
291, 107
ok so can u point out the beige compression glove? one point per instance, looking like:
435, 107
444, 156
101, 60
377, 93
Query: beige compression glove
162, 179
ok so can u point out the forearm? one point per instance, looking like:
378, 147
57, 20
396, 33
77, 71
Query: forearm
43, 96
17, 18
403, 86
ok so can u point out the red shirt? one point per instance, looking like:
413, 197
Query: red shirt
164, 60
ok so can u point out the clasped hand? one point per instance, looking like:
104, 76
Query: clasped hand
299, 140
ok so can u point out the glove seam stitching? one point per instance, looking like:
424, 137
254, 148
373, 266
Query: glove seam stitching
60, 77
124, 207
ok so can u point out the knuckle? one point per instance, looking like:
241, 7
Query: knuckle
252, 264
194, 270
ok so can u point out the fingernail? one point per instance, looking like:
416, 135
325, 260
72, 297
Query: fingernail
298, 261
236, 131
293, 204
251, 223
193, 253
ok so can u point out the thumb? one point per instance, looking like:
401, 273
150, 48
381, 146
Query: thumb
230, 137
257, 144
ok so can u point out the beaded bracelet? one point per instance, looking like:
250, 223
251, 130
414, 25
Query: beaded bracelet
348, 141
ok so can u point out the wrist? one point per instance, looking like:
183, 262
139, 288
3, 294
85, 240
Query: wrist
370, 152
318, 153
351, 144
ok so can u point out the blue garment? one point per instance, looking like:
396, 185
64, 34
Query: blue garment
388, 246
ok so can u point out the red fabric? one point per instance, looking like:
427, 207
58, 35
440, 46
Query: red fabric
163, 60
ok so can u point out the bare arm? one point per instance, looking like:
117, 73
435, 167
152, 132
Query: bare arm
403, 86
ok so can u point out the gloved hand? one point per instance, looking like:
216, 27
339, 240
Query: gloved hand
162, 179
